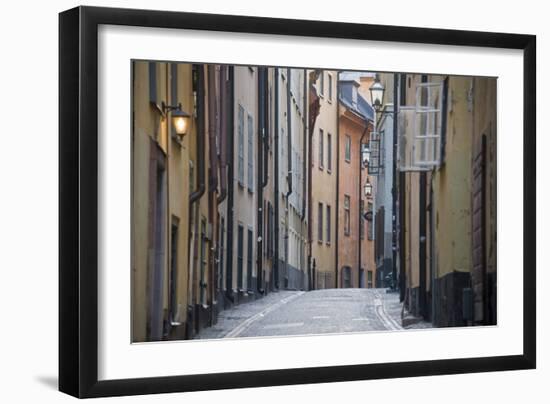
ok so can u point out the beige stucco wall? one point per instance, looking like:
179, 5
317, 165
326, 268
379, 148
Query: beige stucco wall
452, 184
244, 201
149, 126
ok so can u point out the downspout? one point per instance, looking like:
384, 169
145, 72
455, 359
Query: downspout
276, 179
336, 242
229, 126
289, 136
304, 160
222, 133
304, 148
261, 179
309, 131
199, 192
196, 194
213, 133
360, 240
289, 166
394, 181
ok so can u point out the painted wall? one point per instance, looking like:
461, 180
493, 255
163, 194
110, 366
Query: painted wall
323, 177
150, 130
244, 208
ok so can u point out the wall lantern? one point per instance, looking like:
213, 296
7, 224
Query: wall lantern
368, 188
365, 151
377, 93
180, 118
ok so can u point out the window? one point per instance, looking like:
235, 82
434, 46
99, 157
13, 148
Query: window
240, 257
321, 148
329, 87
426, 148
240, 139
370, 227
329, 152
346, 215
347, 149
250, 243
420, 129
322, 83
250, 154
369, 279
328, 225
320, 222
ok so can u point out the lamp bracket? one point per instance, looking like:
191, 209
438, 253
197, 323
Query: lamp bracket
166, 108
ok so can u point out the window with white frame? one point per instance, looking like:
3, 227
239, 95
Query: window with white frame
419, 141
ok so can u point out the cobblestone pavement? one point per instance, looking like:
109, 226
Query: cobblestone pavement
314, 312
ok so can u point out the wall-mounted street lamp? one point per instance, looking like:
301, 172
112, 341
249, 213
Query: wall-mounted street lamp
368, 188
365, 154
180, 118
377, 94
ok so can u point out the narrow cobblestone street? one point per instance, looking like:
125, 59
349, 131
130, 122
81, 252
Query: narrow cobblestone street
315, 312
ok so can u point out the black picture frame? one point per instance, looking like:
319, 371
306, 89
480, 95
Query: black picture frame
78, 201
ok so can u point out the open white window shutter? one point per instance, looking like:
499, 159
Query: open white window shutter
427, 127
419, 129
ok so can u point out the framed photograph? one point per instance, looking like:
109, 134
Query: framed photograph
249, 201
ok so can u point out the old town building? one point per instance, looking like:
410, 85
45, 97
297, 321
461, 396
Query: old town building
323, 170
355, 250
447, 203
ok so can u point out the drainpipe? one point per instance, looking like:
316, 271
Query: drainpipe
304, 160
337, 242
394, 182
229, 126
213, 133
289, 136
360, 240
289, 165
276, 180
261, 177
309, 131
222, 133
197, 193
